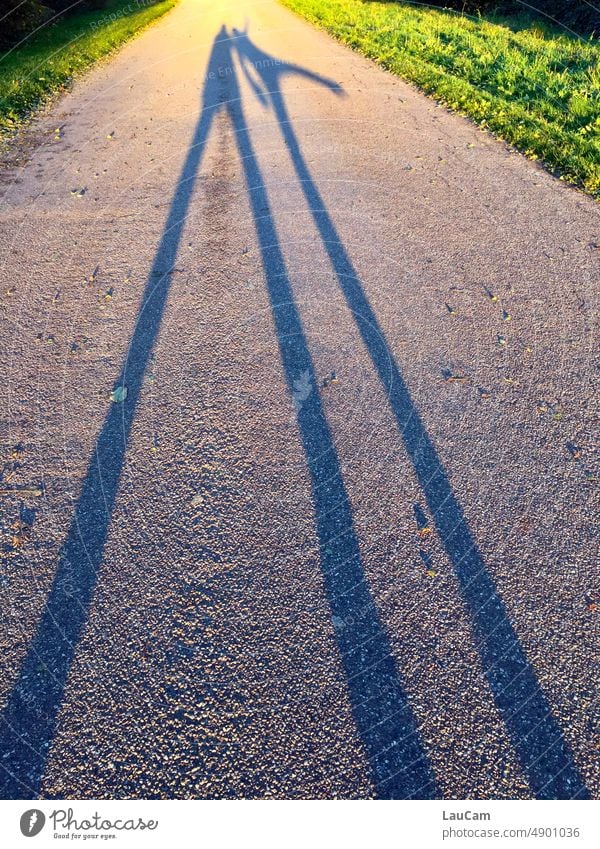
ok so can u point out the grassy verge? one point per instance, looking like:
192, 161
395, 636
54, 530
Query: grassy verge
48, 61
534, 86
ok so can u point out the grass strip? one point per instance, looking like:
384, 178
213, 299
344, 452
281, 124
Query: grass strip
531, 84
48, 61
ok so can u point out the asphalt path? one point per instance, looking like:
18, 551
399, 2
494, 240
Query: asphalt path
332, 534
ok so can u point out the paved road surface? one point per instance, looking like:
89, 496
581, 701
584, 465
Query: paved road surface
248, 578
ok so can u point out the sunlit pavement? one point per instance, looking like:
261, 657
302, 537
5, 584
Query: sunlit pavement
332, 535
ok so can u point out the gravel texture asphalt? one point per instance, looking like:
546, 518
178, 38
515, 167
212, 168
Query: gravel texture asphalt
333, 536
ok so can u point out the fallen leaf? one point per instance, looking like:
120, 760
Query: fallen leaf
22, 533
331, 378
119, 394
451, 377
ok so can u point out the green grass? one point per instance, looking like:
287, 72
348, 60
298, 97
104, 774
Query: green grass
47, 62
532, 85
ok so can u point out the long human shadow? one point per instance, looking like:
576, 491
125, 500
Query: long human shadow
381, 711
380, 707
29, 717
524, 708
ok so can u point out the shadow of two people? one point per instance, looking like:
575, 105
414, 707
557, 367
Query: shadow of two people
382, 712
